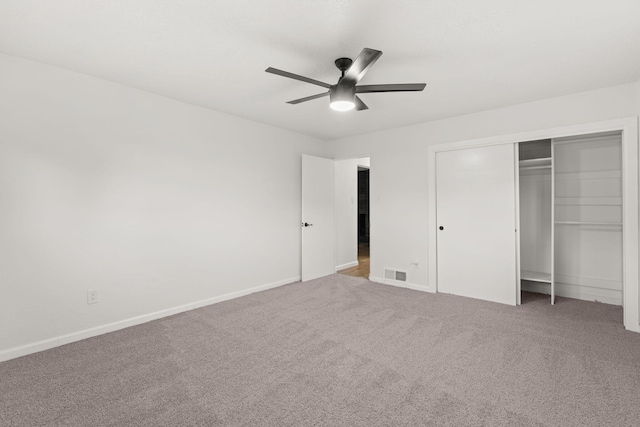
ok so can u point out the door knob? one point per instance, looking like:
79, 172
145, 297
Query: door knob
441, 228
306, 224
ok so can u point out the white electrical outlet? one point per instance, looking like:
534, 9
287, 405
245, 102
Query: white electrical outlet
92, 296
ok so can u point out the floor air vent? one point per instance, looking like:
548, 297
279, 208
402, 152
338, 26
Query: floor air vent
400, 276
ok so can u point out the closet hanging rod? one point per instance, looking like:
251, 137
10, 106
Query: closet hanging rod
524, 168
535, 163
536, 160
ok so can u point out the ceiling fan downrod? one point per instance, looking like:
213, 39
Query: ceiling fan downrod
343, 64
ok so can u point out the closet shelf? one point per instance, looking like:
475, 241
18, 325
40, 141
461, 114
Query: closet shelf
535, 276
615, 224
588, 201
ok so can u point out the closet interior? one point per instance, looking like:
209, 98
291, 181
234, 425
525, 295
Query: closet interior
536, 217
570, 213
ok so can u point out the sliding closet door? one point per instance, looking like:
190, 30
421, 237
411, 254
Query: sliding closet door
476, 222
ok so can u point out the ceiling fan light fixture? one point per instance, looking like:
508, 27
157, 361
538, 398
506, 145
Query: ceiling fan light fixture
342, 105
342, 98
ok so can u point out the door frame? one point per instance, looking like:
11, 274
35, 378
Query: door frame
337, 159
630, 238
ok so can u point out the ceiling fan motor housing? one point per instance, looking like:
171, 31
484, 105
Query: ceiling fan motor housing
342, 93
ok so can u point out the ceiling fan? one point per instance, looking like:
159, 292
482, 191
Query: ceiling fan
342, 95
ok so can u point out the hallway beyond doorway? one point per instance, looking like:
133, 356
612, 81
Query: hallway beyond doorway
362, 269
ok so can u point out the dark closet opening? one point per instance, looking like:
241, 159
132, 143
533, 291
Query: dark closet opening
363, 206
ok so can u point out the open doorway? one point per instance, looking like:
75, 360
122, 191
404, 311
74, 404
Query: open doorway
353, 217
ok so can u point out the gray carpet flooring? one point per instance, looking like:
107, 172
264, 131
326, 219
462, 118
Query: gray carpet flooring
341, 351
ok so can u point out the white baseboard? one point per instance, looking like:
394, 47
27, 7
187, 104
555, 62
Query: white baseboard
347, 265
27, 349
399, 284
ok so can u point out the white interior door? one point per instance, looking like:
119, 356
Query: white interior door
318, 228
476, 220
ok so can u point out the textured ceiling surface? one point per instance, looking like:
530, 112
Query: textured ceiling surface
473, 55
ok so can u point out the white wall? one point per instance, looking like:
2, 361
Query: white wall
638, 96
346, 205
637, 90
152, 202
399, 175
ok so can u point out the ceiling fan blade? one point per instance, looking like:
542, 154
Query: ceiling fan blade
360, 66
402, 87
297, 77
360, 105
308, 98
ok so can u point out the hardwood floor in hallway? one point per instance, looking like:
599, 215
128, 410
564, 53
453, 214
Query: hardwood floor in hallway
362, 269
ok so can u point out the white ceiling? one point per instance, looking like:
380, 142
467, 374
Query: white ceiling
473, 55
